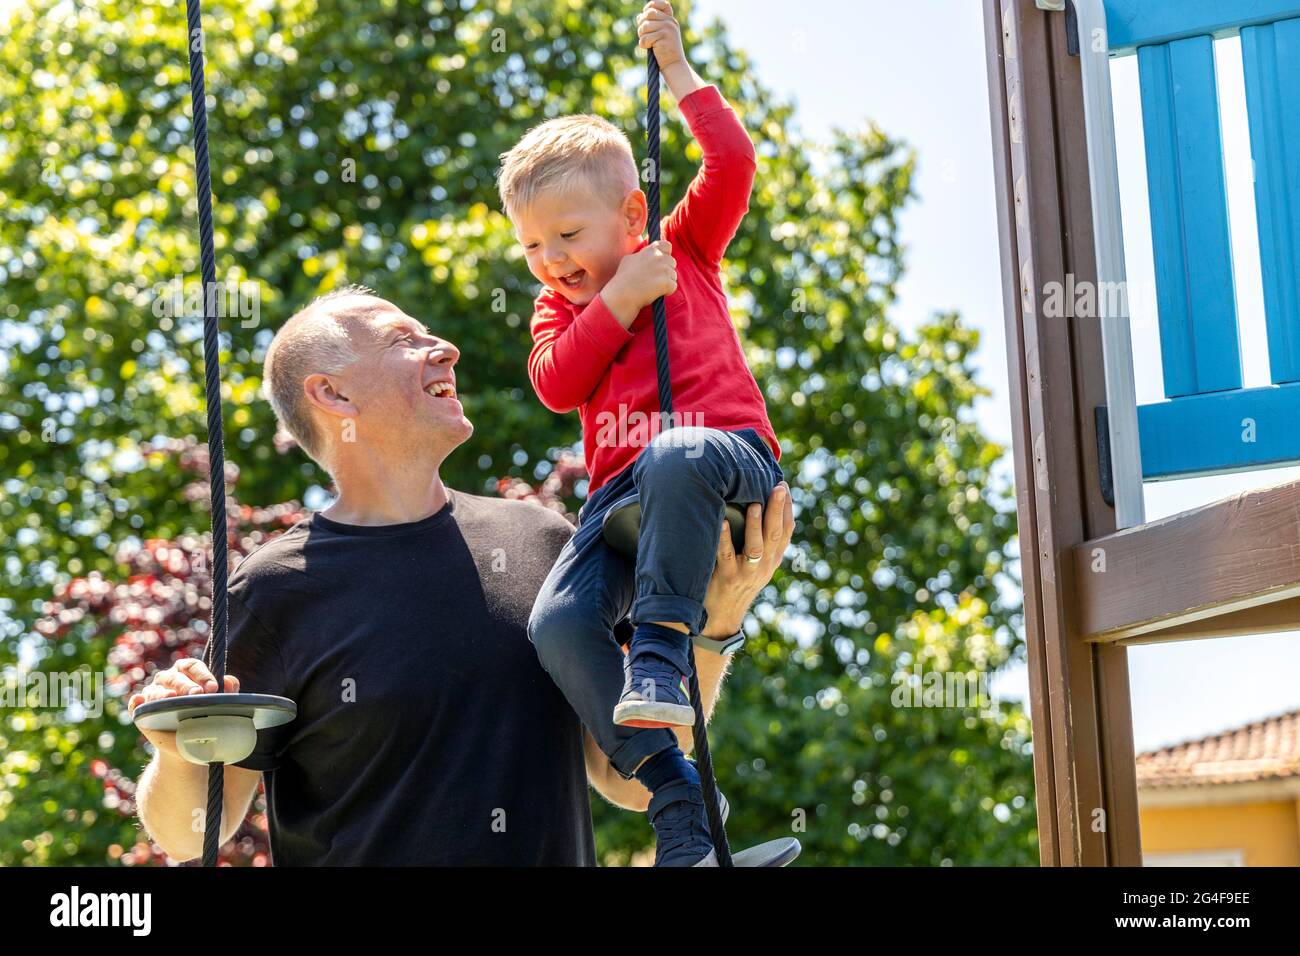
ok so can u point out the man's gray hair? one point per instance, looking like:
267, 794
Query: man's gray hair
314, 340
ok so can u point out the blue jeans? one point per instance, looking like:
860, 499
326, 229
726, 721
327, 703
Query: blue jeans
684, 477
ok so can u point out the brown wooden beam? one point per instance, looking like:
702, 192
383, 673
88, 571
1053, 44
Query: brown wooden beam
1040, 713
1231, 567
1079, 699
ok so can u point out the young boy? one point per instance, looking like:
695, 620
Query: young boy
571, 190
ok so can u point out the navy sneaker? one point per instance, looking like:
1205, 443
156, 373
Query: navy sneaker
723, 806
655, 693
681, 827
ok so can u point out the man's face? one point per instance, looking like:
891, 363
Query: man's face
403, 384
574, 240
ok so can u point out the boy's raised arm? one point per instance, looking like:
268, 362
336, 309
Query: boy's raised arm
657, 29
706, 220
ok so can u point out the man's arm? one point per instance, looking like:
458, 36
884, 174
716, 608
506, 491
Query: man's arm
735, 583
172, 796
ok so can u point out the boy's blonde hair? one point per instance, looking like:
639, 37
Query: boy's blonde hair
581, 150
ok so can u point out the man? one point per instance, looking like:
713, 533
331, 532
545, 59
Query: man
427, 731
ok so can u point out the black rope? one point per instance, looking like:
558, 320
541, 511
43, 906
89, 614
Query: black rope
703, 760
212, 379
652, 201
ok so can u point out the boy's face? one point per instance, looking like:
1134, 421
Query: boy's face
574, 240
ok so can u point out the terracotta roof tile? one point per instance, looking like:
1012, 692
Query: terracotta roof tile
1265, 750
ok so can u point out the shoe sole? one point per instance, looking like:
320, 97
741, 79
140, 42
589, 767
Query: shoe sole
644, 713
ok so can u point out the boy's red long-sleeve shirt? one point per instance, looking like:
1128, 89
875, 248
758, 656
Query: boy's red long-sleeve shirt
583, 358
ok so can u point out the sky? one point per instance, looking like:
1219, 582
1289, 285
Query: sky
918, 70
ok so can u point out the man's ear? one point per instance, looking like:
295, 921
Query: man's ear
635, 213
323, 392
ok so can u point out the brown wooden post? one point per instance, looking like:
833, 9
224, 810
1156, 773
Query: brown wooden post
1079, 693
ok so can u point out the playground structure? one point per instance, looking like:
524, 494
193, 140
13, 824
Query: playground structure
1097, 576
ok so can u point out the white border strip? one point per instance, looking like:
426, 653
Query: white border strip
1108, 232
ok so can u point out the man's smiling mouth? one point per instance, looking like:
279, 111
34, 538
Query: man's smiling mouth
441, 390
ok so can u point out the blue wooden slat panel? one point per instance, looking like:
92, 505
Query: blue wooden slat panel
1220, 432
1271, 57
1189, 218
1133, 23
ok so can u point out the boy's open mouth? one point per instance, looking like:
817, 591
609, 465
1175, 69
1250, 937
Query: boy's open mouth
574, 279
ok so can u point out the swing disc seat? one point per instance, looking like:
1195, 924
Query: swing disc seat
622, 525
215, 728
779, 852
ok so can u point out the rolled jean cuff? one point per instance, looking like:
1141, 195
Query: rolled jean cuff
635, 749
670, 607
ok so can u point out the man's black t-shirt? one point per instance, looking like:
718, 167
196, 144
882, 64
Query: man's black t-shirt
427, 731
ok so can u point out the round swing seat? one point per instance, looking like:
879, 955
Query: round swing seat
622, 525
215, 728
779, 852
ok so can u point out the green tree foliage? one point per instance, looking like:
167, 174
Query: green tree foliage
358, 143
